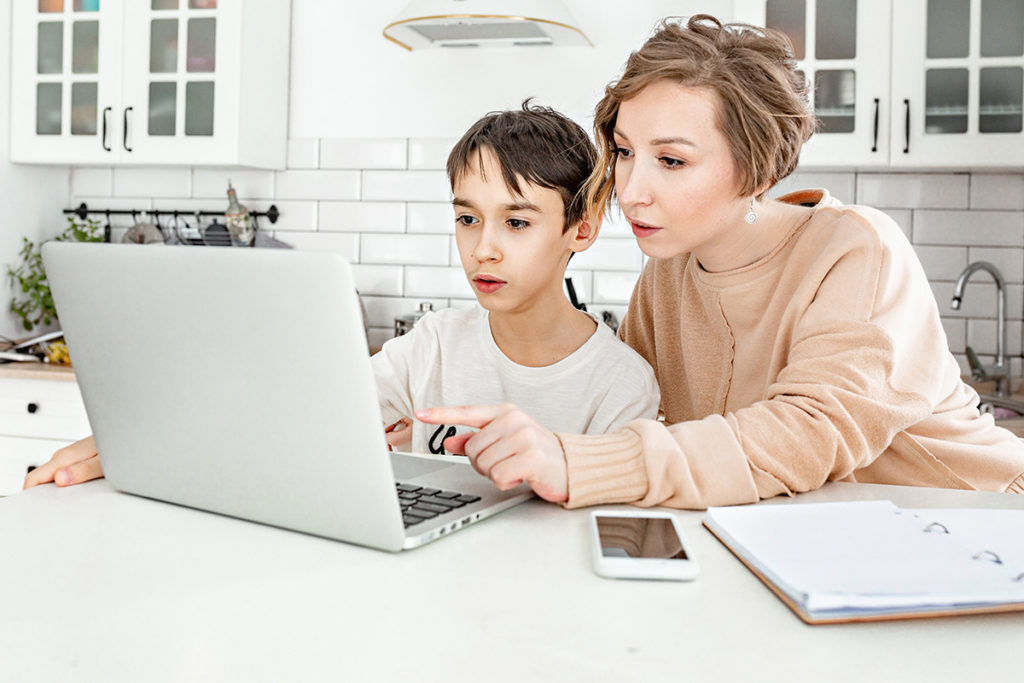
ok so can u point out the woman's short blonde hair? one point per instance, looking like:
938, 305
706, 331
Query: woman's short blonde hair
763, 108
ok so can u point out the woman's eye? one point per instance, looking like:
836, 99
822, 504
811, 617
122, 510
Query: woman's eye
517, 223
670, 162
466, 220
623, 153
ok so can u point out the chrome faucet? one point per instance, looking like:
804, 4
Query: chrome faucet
998, 370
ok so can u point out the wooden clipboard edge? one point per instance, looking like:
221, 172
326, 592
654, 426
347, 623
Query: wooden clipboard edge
807, 618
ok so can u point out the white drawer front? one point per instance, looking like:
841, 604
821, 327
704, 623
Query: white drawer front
17, 454
46, 409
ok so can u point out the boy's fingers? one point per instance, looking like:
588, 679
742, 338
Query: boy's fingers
79, 472
468, 416
457, 444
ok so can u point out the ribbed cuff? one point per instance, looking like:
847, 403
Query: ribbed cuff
604, 468
1016, 486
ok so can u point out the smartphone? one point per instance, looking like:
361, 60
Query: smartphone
640, 545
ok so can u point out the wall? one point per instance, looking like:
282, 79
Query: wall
33, 195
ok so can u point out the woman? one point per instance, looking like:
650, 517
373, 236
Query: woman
796, 341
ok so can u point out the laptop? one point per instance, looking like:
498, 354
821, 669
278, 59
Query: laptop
238, 381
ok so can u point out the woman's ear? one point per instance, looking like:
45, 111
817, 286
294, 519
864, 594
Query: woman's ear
584, 232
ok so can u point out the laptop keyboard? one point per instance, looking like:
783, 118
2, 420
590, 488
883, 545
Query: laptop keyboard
420, 503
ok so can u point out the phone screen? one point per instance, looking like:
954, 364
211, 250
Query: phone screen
639, 537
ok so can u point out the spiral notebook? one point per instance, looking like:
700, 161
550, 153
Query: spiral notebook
867, 561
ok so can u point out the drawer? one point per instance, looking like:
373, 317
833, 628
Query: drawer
17, 454
44, 409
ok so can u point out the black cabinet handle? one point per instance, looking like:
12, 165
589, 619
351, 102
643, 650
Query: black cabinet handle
906, 127
106, 147
874, 137
32, 408
125, 140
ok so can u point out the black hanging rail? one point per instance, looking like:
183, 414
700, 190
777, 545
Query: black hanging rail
83, 211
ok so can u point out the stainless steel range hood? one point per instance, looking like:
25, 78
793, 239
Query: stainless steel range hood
484, 23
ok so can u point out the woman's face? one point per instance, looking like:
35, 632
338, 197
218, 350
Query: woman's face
675, 178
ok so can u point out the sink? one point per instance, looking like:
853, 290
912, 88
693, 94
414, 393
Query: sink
1000, 406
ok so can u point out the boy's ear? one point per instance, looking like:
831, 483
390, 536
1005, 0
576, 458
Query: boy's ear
585, 232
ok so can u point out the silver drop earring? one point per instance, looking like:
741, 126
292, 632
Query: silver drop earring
751, 216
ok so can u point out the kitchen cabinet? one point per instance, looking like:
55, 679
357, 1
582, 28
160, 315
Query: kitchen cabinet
112, 82
41, 410
907, 83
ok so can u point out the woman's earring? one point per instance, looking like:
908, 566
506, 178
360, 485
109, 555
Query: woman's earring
751, 216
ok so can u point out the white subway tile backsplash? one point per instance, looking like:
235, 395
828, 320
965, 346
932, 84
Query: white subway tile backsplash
132, 181
981, 336
956, 333
942, 263
979, 300
422, 186
376, 336
346, 244
1010, 262
610, 253
913, 190
432, 217
430, 153
613, 288
360, 153
447, 282
972, 228
615, 224
997, 191
378, 280
582, 282
842, 186
295, 215
98, 182
303, 153
903, 218
454, 259
423, 250
213, 183
362, 216
322, 185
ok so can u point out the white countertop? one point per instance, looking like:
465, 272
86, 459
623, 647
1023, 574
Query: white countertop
103, 586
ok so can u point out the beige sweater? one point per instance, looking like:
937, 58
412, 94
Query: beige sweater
825, 360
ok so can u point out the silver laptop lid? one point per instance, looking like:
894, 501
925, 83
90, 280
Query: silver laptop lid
231, 380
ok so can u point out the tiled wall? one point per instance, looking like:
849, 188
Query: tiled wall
383, 204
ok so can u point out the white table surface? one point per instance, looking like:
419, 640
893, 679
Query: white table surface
103, 586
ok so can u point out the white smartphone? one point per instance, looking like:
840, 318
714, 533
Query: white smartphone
640, 545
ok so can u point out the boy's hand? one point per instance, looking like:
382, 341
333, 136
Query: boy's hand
510, 447
73, 464
399, 434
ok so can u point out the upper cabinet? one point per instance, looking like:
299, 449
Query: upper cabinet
907, 83
194, 82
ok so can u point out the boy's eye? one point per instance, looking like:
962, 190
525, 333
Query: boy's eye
517, 223
670, 162
623, 153
466, 219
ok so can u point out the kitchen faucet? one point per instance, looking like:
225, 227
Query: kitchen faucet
998, 370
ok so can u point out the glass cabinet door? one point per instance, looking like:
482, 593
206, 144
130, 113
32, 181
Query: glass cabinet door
174, 95
959, 82
64, 69
842, 48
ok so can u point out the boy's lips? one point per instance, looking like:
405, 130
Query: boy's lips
641, 230
488, 284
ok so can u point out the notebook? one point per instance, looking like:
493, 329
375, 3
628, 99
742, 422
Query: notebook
238, 381
866, 561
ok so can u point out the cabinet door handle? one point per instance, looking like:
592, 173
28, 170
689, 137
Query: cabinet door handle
874, 136
125, 140
103, 141
906, 127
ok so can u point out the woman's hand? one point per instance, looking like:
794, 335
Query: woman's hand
73, 464
510, 447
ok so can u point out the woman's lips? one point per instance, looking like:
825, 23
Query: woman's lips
640, 230
488, 284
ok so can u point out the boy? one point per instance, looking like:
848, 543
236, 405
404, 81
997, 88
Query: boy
517, 179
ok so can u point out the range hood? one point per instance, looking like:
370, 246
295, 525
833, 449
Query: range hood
484, 23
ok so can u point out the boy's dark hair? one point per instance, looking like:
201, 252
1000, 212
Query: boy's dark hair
534, 144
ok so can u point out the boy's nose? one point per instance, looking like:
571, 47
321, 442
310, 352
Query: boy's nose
486, 249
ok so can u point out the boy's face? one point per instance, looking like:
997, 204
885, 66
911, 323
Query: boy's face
512, 247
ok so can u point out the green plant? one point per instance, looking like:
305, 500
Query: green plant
32, 301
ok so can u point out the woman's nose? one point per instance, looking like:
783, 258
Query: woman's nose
631, 185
